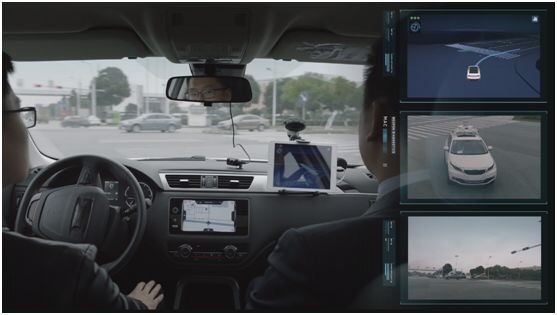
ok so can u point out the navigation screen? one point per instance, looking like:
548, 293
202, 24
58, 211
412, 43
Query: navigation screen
208, 216
302, 166
478, 55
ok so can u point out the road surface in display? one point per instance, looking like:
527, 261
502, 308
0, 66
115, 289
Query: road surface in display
422, 288
508, 69
516, 151
109, 141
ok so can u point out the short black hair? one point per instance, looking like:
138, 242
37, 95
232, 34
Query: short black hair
7, 67
376, 83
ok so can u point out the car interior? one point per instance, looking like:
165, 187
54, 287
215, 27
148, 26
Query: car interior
203, 224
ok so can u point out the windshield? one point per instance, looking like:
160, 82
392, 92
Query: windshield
326, 96
468, 147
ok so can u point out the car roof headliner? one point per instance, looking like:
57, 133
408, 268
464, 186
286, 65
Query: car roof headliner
232, 33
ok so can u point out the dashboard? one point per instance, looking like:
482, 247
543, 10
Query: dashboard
207, 215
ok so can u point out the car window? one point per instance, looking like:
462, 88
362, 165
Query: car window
327, 96
468, 147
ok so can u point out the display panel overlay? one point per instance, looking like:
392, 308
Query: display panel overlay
474, 258
473, 55
474, 157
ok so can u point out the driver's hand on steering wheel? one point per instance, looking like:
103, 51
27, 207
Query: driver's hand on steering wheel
148, 294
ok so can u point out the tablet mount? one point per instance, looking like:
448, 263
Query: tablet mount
294, 127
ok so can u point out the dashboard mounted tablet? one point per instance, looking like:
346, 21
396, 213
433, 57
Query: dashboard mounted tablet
295, 166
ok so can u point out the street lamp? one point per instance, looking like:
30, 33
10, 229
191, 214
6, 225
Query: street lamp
273, 119
456, 263
93, 88
487, 267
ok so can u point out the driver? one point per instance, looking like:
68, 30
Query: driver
47, 276
208, 89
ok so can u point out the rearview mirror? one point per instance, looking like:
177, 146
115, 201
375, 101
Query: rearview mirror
209, 89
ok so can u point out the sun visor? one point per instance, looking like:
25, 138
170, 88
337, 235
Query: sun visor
312, 46
199, 35
92, 44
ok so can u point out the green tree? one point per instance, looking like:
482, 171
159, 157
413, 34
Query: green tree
112, 87
477, 271
131, 108
447, 268
268, 97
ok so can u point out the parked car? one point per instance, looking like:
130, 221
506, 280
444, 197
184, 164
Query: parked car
94, 120
249, 122
74, 121
160, 122
455, 275
468, 158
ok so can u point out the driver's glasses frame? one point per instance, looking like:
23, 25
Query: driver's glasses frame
195, 94
27, 114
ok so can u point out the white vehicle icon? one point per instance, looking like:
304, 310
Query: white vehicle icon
473, 73
468, 158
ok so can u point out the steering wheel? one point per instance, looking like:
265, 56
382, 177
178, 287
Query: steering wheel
81, 213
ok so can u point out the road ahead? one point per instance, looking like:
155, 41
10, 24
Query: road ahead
516, 151
57, 141
421, 288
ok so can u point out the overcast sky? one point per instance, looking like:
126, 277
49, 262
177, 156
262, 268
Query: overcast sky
152, 73
434, 241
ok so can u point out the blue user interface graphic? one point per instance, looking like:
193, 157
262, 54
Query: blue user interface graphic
473, 55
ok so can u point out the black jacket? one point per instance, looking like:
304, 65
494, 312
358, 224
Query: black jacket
46, 276
324, 266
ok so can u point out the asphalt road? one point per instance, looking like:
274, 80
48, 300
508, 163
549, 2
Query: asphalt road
516, 150
421, 288
439, 70
56, 141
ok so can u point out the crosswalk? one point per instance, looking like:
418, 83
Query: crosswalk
424, 127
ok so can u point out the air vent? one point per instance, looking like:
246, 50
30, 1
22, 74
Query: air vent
234, 182
184, 181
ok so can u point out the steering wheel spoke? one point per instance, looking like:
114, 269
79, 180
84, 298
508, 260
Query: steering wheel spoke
89, 173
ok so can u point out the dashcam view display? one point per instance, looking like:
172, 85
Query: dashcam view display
478, 55
474, 258
302, 166
208, 216
480, 157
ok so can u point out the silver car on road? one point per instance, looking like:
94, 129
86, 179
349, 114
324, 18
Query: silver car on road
155, 121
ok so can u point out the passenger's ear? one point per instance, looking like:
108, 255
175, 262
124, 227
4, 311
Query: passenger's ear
375, 115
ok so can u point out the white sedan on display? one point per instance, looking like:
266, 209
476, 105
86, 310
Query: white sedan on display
468, 158
473, 73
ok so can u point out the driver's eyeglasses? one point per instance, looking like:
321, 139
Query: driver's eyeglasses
197, 94
27, 114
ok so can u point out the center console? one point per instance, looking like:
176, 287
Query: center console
199, 217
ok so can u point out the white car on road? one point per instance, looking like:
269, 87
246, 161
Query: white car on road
468, 158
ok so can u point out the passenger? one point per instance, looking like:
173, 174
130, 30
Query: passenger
43, 276
325, 266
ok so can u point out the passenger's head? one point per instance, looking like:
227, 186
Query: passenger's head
209, 89
380, 103
14, 134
